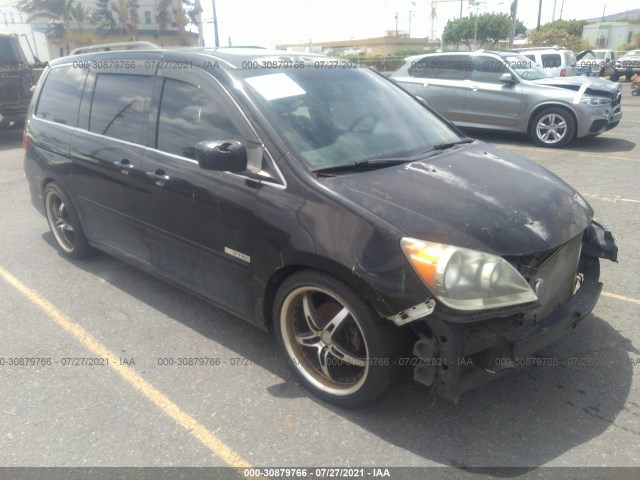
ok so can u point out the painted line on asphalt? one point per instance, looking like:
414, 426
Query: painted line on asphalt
540, 150
171, 409
609, 198
621, 297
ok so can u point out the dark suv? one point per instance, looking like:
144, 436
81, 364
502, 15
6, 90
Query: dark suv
16, 81
314, 197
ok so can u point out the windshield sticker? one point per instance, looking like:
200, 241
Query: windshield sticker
275, 86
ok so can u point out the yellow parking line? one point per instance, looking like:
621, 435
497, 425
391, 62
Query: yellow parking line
621, 297
208, 439
507, 146
610, 198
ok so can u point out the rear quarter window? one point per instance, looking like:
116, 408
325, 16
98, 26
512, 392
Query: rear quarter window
60, 95
551, 60
446, 67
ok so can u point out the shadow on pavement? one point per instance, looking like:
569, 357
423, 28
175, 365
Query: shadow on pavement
526, 419
10, 138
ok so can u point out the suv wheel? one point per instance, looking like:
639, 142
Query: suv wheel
64, 223
333, 340
553, 127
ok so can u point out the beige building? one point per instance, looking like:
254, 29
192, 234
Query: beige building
383, 46
610, 35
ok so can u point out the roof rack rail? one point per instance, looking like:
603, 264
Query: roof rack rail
544, 47
106, 47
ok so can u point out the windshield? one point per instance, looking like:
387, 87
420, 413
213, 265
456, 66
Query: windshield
525, 68
336, 117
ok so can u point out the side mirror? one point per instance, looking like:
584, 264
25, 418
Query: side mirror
222, 156
507, 78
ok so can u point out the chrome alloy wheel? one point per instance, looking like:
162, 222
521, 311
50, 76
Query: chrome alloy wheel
551, 128
324, 340
59, 221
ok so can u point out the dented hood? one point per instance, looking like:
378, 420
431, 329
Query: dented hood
574, 83
474, 196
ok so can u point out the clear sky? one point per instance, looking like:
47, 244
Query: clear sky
270, 22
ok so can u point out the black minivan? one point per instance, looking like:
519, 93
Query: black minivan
314, 197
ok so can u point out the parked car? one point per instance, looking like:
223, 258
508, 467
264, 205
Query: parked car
507, 91
627, 65
319, 200
596, 63
557, 62
16, 81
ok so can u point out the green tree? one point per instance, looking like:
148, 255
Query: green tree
486, 28
127, 14
564, 33
102, 17
58, 10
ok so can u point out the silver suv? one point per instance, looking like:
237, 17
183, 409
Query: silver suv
507, 91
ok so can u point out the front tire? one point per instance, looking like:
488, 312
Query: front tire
64, 223
553, 128
333, 340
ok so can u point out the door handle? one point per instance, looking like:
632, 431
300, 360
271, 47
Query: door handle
159, 177
124, 165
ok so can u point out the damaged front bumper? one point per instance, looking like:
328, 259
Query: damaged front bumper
456, 355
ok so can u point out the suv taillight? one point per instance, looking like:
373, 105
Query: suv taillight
563, 73
25, 140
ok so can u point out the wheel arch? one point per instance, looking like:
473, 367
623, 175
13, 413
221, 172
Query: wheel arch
322, 265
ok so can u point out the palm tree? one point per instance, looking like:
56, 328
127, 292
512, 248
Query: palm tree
59, 11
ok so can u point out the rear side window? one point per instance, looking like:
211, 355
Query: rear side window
119, 106
60, 95
444, 67
551, 60
189, 115
487, 69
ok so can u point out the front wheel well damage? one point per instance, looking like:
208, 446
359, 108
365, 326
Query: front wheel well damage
330, 268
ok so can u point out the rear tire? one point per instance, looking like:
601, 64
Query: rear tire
334, 342
64, 223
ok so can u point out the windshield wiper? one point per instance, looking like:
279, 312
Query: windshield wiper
445, 146
363, 165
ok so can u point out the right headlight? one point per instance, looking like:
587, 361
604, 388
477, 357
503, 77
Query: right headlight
465, 279
594, 101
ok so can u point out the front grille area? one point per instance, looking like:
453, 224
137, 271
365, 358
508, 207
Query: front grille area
555, 280
617, 98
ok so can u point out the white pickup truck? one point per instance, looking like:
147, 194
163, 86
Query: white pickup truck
596, 63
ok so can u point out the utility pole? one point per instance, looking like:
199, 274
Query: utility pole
539, 14
553, 15
215, 23
199, 20
561, 9
514, 16
396, 17
410, 15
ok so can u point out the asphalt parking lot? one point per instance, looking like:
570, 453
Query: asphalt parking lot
245, 409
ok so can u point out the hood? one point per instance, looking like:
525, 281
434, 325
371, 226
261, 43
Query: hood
594, 84
473, 196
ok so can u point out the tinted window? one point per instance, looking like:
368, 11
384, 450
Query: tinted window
118, 108
551, 60
487, 69
445, 67
6, 55
60, 95
189, 115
